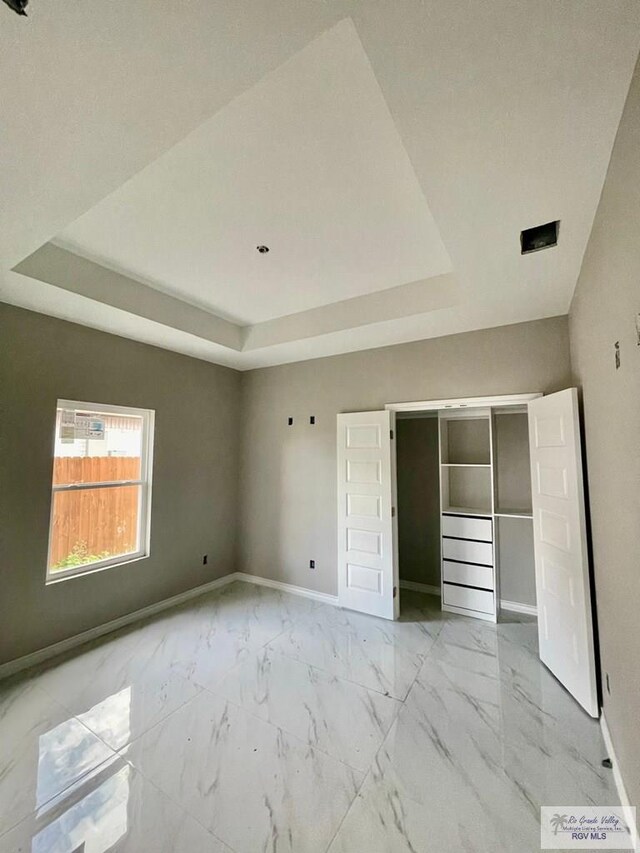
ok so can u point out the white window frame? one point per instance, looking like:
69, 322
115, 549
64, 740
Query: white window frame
144, 493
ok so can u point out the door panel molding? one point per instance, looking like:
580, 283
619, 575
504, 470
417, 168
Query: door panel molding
565, 622
367, 552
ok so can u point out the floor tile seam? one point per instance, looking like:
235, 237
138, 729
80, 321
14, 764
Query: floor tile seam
79, 790
326, 675
60, 795
346, 813
117, 750
122, 751
296, 737
412, 685
244, 645
294, 620
367, 776
89, 770
429, 654
341, 677
396, 709
432, 644
370, 776
178, 805
116, 753
247, 646
322, 669
138, 769
267, 643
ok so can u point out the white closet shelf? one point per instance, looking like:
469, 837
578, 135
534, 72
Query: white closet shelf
466, 510
514, 513
466, 464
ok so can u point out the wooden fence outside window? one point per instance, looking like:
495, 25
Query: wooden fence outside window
94, 523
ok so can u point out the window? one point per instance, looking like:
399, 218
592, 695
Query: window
101, 493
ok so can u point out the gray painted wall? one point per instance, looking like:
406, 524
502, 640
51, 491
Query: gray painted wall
513, 486
288, 474
195, 473
516, 560
604, 310
215, 429
513, 464
418, 500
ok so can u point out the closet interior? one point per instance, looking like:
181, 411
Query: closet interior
483, 519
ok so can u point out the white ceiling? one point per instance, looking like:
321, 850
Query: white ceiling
388, 156
308, 162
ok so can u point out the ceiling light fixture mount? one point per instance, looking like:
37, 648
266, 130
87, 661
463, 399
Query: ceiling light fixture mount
262, 249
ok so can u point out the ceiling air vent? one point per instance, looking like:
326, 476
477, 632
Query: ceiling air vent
539, 237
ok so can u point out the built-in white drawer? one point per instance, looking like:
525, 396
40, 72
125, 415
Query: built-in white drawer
463, 527
468, 551
470, 599
467, 574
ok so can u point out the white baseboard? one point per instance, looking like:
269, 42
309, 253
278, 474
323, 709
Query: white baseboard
420, 587
517, 607
35, 658
617, 778
42, 655
324, 597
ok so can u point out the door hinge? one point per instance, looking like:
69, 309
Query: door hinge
393, 512
395, 592
391, 432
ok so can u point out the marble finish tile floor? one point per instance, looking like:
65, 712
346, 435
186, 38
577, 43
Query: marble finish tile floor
253, 721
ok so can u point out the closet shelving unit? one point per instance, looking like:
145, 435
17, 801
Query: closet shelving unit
485, 490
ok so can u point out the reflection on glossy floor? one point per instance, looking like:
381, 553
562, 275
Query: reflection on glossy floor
250, 720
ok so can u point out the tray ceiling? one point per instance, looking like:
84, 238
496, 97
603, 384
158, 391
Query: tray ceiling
388, 160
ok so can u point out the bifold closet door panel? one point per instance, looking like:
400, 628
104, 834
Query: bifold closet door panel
467, 551
470, 599
463, 573
463, 527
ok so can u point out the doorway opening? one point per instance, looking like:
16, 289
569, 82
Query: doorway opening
465, 519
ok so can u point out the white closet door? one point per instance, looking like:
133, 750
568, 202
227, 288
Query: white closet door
565, 625
367, 565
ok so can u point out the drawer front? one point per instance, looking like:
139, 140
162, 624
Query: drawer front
469, 552
481, 576
467, 528
470, 599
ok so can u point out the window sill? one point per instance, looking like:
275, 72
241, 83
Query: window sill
81, 572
